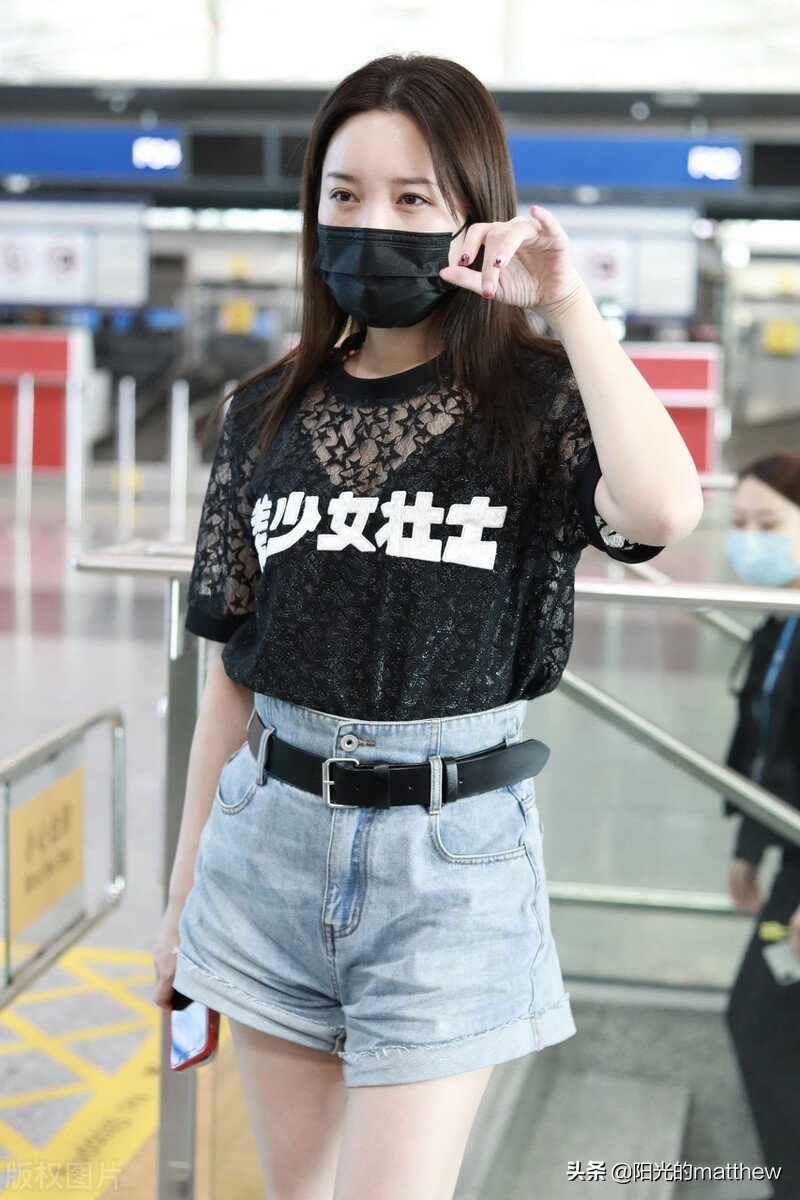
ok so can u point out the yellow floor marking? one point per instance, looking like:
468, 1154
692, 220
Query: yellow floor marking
34, 1038
79, 989
112, 987
113, 1126
90, 1035
87, 1155
20, 1099
115, 955
54, 993
19, 1146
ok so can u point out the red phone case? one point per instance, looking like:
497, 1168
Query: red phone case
190, 1047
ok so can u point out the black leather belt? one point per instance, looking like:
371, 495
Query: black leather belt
385, 785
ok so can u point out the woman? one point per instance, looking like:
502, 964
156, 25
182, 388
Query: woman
388, 547
764, 1015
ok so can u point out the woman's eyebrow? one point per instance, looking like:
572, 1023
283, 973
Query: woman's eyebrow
404, 181
758, 512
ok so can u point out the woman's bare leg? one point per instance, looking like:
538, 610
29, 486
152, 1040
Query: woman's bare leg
297, 1099
407, 1141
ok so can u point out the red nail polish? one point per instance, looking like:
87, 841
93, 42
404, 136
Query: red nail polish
498, 262
464, 259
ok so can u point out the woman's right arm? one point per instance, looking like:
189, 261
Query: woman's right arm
219, 731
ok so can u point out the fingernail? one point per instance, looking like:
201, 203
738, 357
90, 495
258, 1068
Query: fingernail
498, 262
464, 260
488, 289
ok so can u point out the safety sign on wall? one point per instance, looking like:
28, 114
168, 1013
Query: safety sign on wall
45, 851
38, 267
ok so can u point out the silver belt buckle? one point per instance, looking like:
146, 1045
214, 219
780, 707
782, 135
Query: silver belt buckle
328, 783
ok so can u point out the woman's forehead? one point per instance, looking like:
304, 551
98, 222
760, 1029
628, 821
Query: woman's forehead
380, 144
755, 498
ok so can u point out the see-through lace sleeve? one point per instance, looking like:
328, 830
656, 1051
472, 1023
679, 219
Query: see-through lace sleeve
225, 571
578, 460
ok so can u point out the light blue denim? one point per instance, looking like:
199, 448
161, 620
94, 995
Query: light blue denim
413, 942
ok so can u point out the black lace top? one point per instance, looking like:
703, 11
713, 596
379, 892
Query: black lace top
376, 565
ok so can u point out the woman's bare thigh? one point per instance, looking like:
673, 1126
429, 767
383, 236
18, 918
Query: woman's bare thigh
297, 1100
407, 1141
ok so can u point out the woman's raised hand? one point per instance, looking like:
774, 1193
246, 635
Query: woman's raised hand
526, 262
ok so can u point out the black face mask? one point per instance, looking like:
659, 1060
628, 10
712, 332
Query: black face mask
386, 278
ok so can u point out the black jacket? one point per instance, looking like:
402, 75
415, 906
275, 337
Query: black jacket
781, 748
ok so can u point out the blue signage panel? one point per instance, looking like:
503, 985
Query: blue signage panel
90, 153
688, 164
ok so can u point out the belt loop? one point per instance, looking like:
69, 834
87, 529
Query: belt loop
383, 798
451, 790
513, 727
263, 754
435, 804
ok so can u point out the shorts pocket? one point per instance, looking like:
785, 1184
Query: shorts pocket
487, 828
237, 782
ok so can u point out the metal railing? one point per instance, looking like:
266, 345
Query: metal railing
703, 601
160, 559
169, 561
186, 668
74, 456
700, 597
126, 466
718, 620
181, 437
701, 768
15, 769
180, 441
752, 800
185, 681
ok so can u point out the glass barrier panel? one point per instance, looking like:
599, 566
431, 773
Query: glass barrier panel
615, 813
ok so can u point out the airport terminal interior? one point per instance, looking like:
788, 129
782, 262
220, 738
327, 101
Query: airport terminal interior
148, 261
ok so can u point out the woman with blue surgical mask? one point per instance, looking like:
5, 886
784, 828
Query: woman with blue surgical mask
763, 545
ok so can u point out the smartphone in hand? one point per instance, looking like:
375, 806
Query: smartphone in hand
783, 962
193, 1032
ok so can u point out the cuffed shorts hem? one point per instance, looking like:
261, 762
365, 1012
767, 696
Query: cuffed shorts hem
389, 1064
194, 981
415, 1064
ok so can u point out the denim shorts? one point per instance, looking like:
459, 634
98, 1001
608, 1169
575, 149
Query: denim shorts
412, 942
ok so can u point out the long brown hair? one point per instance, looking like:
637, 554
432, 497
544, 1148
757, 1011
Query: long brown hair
779, 471
481, 341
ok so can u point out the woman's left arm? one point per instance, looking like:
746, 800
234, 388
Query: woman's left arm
648, 491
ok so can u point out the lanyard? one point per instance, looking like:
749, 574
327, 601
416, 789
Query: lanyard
778, 655
767, 688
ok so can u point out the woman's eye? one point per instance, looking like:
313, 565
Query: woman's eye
412, 201
341, 195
